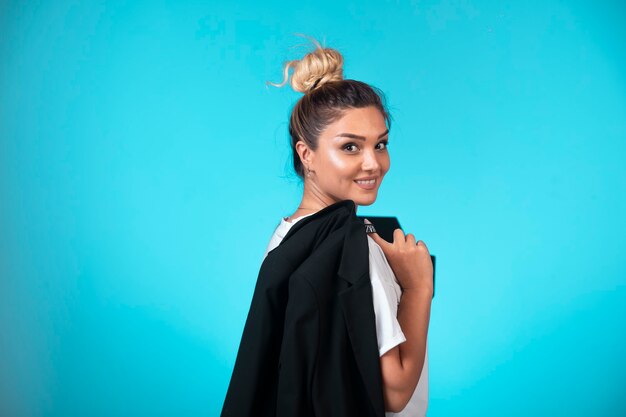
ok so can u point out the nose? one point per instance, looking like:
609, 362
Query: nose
370, 161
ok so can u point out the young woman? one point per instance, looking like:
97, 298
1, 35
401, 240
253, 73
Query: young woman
339, 136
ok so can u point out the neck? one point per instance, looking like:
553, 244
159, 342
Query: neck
313, 198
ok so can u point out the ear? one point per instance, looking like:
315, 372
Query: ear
305, 153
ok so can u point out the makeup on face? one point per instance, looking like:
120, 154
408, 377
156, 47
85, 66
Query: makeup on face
353, 155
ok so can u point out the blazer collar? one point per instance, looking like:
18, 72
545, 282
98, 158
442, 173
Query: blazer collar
354, 263
331, 210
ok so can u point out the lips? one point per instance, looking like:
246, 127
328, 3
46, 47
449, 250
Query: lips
368, 185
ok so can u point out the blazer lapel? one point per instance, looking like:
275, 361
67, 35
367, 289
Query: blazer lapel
357, 305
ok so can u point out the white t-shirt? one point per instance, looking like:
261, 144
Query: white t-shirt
386, 292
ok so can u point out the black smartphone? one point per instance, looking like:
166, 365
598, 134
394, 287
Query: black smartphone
385, 226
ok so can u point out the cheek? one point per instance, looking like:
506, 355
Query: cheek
384, 162
339, 163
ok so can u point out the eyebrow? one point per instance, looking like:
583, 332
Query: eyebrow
353, 136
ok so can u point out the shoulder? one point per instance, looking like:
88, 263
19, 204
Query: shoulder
380, 268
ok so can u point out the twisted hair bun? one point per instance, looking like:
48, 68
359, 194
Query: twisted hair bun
314, 70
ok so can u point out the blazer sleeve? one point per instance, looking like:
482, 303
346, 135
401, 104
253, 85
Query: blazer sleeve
252, 388
299, 349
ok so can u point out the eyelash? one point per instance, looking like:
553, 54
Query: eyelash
386, 142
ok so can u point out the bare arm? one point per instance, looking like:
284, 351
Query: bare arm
401, 366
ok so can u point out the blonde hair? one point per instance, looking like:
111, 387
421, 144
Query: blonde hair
327, 96
316, 68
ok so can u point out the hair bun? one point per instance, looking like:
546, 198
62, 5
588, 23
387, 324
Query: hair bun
315, 69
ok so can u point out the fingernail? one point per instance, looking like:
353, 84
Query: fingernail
367, 221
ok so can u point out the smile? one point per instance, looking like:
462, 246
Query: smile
367, 184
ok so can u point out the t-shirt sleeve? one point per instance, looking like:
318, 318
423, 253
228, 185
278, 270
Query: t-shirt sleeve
388, 330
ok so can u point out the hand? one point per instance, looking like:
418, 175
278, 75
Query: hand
409, 260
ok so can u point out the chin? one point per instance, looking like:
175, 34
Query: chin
364, 200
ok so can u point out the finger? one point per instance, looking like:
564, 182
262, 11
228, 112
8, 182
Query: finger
410, 239
381, 242
398, 235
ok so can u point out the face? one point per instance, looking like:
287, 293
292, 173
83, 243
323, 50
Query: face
350, 149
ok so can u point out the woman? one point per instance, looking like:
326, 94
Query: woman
339, 136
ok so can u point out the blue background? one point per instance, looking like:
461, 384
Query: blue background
144, 165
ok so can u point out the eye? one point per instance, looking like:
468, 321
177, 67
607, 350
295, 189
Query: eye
347, 145
385, 142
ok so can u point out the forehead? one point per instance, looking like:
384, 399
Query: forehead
367, 121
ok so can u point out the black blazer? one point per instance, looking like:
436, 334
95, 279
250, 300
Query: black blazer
309, 344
